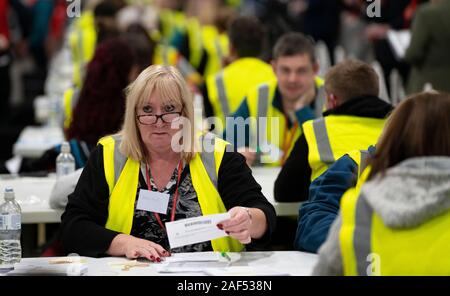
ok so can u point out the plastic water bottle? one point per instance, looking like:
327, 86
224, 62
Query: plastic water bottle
65, 162
10, 227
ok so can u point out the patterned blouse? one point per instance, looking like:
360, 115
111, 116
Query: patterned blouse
146, 226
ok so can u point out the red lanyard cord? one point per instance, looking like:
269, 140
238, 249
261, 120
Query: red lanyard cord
175, 197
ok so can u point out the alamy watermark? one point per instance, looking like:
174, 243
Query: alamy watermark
374, 8
374, 267
260, 135
73, 8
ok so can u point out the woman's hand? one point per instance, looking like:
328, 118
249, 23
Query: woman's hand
133, 247
238, 226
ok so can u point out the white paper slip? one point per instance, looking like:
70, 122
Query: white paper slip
196, 266
193, 257
244, 271
195, 230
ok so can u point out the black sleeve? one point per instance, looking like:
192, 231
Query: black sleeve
83, 222
293, 182
237, 187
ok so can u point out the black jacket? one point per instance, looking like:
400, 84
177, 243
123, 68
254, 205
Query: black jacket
293, 182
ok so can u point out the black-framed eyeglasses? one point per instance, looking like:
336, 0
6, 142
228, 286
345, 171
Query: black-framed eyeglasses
148, 119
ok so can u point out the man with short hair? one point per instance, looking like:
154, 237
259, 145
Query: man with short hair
354, 121
295, 96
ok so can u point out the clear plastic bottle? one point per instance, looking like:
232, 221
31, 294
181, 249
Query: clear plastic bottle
65, 162
10, 227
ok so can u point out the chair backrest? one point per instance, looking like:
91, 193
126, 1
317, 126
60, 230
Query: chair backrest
383, 88
323, 57
397, 89
339, 54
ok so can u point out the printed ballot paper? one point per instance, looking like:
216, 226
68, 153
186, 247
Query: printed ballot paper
195, 230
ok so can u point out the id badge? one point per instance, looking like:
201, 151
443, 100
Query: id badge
153, 201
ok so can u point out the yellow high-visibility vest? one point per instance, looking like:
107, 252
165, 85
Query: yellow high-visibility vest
368, 247
194, 32
227, 89
171, 21
361, 158
216, 46
259, 101
332, 136
70, 100
82, 40
165, 55
122, 176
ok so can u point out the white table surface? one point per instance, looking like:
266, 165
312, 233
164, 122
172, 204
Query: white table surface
33, 194
286, 262
33, 141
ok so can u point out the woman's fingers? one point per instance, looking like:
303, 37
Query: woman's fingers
160, 250
243, 236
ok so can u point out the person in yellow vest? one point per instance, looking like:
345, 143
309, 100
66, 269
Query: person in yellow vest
295, 96
354, 121
106, 214
224, 92
143, 49
93, 26
396, 223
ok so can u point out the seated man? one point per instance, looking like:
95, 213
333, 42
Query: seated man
354, 120
275, 111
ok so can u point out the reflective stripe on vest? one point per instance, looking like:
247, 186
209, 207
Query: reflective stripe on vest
221, 92
361, 158
263, 108
331, 137
323, 142
363, 224
122, 176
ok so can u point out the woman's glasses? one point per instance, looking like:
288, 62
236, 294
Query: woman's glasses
153, 119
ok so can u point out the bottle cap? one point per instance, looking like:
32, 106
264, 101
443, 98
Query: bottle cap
65, 147
9, 194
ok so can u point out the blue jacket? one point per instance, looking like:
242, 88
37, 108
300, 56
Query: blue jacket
318, 213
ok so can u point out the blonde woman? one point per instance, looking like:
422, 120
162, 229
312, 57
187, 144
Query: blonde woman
103, 217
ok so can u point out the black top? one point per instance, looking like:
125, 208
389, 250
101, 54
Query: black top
292, 184
83, 222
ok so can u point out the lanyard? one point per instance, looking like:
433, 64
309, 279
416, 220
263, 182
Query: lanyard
288, 138
175, 197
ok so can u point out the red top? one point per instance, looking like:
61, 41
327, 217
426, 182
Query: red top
4, 30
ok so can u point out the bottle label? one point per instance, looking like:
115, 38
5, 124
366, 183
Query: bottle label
10, 222
63, 169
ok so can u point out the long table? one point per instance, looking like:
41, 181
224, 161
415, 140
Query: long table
33, 141
245, 263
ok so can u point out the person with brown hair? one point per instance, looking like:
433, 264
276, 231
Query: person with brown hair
354, 120
295, 96
401, 214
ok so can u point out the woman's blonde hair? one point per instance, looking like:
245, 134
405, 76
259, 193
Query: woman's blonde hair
172, 89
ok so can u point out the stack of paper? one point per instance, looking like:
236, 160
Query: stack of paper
192, 262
